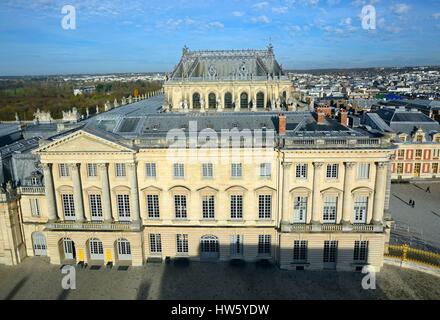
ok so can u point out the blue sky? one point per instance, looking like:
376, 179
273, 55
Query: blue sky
144, 36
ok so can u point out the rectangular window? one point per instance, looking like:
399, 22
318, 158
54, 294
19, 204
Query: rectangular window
400, 168
360, 209
360, 251
92, 170
182, 243
300, 251
264, 206
435, 168
236, 170
236, 207
179, 170
419, 153
265, 170
236, 245
208, 207
35, 207
363, 171
153, 206
330, 209
120, 170
123, 207
301, 171
155, 243
300, 210
401, 153
436, 153
64, 170
417, 168
332, 171
264, 244
68, 206
180, 206
207, 170
150, 170
330, 251
95, 207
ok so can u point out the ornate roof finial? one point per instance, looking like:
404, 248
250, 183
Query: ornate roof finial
270, 46
185, 50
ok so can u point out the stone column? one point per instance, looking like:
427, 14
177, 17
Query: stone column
347, 206
379, 192
49, 192
316, 207
135, 211
286, 209
106, 198
77, 192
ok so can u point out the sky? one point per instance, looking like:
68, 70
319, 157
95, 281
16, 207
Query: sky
148, 36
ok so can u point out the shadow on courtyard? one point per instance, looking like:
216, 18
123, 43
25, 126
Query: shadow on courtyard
16, 288
184, 278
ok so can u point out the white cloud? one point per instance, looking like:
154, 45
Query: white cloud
400, 8
238, 13
261, 19
260, 5
215, 25
436, 15
280, 10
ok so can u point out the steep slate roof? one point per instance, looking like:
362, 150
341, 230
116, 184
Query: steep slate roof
402, 121
226, 64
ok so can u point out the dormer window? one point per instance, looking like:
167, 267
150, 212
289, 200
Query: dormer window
35, 181
419, 138
402, 137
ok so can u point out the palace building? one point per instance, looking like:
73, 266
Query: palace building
230, 80
134, 185
417, 137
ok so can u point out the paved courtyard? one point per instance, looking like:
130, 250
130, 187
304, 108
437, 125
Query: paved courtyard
421, 222
35, 278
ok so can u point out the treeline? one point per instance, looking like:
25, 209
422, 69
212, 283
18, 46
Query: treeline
25, 96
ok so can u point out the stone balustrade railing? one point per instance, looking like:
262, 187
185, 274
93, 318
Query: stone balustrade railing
115, 226
31, 190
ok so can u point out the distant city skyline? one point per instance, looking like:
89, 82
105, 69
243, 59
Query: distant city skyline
137, 36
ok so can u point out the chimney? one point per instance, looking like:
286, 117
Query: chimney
320, 115
282, 124
343, 117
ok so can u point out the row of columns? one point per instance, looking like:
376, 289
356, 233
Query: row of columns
349, 178
78, 193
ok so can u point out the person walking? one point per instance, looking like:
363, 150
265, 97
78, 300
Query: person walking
413, 204
428, 190
410, 202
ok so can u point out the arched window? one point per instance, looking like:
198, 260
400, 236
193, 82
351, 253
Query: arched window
96, 249
39, 242
209, 247
212, 102
123, 249
228, 100
260, 100
196, 101
68, 248
244, 101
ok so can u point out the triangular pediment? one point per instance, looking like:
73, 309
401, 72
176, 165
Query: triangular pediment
82, 141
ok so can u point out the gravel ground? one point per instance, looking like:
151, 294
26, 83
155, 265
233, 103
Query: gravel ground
35, 278
424, 219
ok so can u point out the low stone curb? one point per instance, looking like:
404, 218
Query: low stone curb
412, 266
